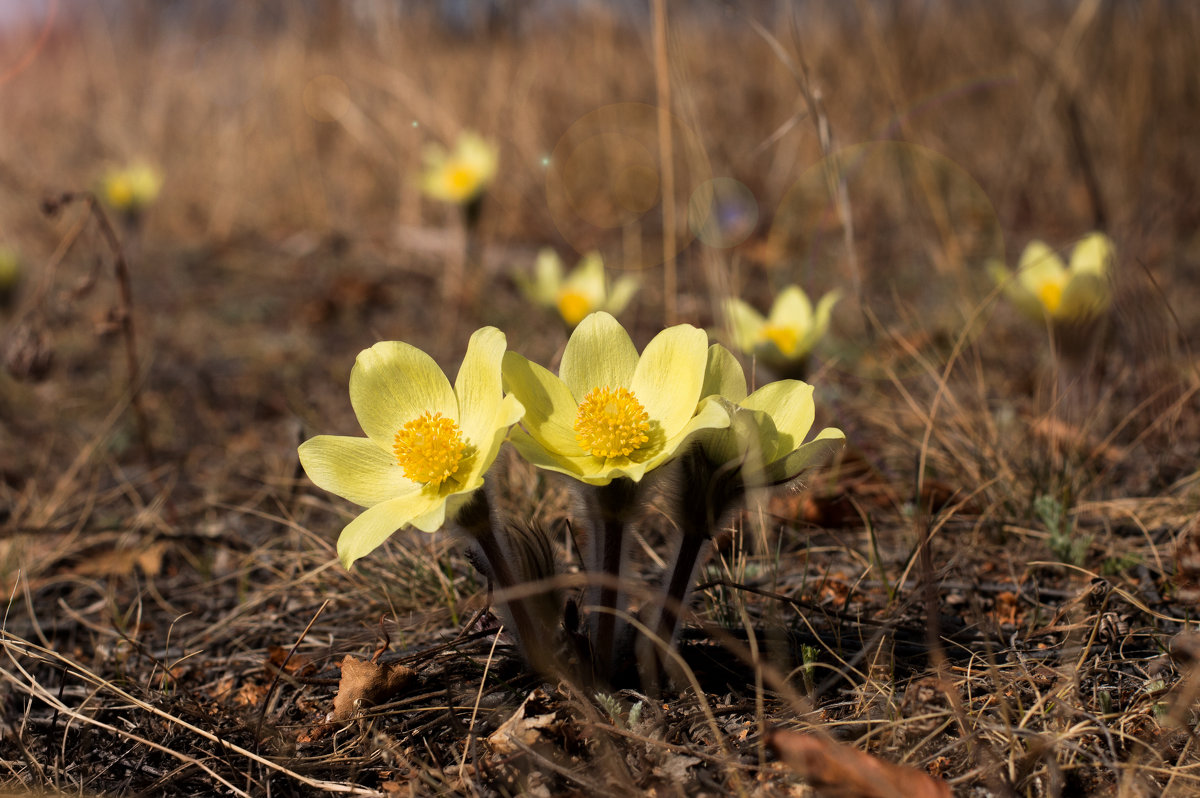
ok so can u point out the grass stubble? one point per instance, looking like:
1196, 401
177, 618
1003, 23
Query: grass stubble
989, 585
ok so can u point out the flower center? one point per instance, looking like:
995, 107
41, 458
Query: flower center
611, 423
1050, 294
120, 193
785, 338
430, 448
573, 306
462, 179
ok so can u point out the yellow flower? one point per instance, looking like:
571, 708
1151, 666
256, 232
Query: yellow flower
131, 188
459, 176
583, 291
786, 336
611, 413
427, 446
767, 428
1044, 287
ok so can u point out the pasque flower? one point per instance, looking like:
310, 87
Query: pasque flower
428, 444
783, 339
767, 429
461, 175
131, 188
610, 413
763, 445
1044, 287
585, 290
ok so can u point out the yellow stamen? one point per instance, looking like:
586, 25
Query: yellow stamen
611, 423
430, 448
785, 338
462, 180
573, 307
120, 192
1050, 294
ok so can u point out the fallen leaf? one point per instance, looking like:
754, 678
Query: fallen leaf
297, 665
845, 772
525, 728
366, 683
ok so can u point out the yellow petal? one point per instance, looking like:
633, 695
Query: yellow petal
355, 469
669, 376
368, 532
391, 384
599, 354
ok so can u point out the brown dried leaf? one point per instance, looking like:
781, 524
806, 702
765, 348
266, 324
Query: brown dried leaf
523, 727
298, 665
845, 772
367, 683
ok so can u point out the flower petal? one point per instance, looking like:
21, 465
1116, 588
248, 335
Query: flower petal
549, 408
723, 375
820, 322
508, 412
828, 442
587, 279
710, 414
391, 384
789, 403
1092, 255
533, 451
1039, 265
670, 374
479, 387
375, 525
745, 324
355, 469
598, 354
1086, 295
622, 292
792, 309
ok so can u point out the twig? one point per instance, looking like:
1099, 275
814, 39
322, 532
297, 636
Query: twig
125, 309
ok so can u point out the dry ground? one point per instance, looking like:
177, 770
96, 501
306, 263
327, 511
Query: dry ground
997, 583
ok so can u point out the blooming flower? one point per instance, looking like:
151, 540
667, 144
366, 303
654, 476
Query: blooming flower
1044, 287
583, 291
427, 446
132, 188
767, 428
611, 413
462, 175
785, 337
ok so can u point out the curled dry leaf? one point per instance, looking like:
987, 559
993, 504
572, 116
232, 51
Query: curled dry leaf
366, 683
845, 772
522, 726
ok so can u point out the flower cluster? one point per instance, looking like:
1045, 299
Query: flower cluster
607, 419
131, 189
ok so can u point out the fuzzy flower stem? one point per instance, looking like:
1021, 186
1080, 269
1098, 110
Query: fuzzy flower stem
608, 509
480, 524
708, 491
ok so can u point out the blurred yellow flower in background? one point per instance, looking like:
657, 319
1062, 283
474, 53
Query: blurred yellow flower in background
1044, 287
428, 445
131, 188
784, 338
461, 175
582, 292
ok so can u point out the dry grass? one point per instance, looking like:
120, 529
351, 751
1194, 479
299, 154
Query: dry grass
997, 583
